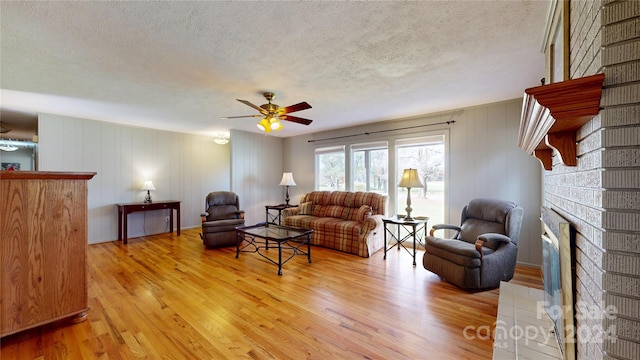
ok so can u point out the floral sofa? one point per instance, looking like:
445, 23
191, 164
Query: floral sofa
341, 220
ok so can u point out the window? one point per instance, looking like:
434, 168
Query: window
330, 168
369, 166
427, 154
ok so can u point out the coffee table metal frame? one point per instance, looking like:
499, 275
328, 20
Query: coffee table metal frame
256, 238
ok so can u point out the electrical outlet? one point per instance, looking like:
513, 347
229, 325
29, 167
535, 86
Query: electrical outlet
166, 218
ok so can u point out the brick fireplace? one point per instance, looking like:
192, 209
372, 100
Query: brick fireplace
601, 195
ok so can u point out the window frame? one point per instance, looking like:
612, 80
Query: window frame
367, 148
442, 136
324, 151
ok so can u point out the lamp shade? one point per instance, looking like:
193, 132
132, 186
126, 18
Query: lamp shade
410, 179
148, 185
287, 179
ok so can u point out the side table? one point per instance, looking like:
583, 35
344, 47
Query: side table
413, 227
274, 218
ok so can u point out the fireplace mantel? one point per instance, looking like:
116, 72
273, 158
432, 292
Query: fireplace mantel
552, 114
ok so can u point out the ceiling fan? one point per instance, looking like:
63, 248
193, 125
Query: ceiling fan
271, 114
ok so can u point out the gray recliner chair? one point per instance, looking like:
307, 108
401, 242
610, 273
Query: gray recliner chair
484, 248
222, 215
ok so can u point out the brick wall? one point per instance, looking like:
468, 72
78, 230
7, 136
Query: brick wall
601, 196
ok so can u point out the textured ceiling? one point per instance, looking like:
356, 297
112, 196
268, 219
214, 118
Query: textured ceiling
180, 66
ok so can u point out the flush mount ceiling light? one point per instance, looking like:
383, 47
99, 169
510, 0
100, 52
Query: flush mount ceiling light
221, 139
6, 146
271, 114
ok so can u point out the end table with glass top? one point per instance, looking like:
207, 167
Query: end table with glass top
274, 218
413, 227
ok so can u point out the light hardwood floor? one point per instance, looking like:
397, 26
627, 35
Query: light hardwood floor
165, 296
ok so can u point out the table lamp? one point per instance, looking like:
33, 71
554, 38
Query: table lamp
409, 180
148, 185
287, 180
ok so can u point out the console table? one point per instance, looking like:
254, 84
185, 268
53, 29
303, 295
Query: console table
125, 209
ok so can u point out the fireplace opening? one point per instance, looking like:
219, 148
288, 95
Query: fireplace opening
558, 270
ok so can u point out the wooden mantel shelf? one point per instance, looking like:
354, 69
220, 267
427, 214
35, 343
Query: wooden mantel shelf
552, 114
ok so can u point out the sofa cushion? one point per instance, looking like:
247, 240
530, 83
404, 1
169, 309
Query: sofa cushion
342, 198
316, 197
376, 201
300, 221
305, 208
338, 212
319, 210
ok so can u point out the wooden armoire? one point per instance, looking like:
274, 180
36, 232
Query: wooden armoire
43, 248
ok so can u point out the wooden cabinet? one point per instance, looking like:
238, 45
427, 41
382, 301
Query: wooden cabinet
43, 248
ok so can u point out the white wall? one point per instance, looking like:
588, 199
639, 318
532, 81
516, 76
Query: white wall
182, 167
484, 161
256, 171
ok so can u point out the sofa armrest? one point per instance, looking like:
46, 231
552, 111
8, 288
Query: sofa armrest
370, 223
240, 214
203, 216
290, 211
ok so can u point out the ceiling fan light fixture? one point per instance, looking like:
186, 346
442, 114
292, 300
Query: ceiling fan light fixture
275, 124
273, 115
264, 125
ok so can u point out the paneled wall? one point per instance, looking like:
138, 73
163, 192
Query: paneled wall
484, 161
182, 167
600, 195
256, 171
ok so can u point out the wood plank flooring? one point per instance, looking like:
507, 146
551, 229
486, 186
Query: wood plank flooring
166, 297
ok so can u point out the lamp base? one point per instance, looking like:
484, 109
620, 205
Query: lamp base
287, 197
408, 217
408, 208
147, 199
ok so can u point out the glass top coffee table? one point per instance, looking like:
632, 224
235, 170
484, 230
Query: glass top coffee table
256, 238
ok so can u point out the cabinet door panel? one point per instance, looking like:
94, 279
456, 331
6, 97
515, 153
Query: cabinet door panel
43, 244
15, 250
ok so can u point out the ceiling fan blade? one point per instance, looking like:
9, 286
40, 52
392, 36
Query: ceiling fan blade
296, 119
297, 107
262, 111
242, 116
